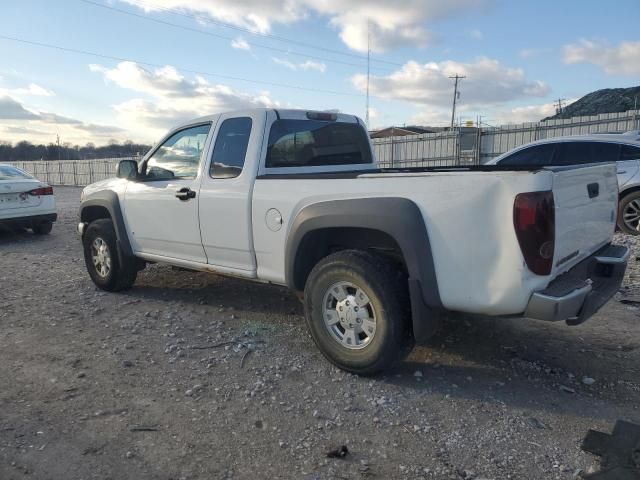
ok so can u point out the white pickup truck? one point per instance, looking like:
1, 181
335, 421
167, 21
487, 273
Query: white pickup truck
295, 198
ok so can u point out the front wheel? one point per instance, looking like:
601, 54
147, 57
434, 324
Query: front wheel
357, 310
629, 213
102, 259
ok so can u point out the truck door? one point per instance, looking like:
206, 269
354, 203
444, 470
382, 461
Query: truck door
226, 189
161, 209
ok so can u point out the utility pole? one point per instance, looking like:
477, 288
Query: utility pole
559, 105
455, 96
368, 69
58, 142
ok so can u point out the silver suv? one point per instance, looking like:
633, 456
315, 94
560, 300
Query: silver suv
622, 148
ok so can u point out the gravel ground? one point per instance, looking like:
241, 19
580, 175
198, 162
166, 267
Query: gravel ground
196, 376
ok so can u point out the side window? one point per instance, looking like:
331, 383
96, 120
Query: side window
577, 153
538, 155
628, 152
230, 149
179, 156
311, 143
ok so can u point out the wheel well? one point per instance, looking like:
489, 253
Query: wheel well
94, 212
317, 244
626, 192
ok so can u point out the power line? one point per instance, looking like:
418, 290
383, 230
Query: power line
157, 65
205, 19
224, 37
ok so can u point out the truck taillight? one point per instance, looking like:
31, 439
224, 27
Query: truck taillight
534, 220
41, 191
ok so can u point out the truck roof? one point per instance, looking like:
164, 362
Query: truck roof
286, 113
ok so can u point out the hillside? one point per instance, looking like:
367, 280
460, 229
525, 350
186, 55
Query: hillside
607, 100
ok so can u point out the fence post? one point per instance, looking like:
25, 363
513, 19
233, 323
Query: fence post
60, 171
392, 151
75, 175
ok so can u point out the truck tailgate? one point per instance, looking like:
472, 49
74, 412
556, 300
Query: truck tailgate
586, 202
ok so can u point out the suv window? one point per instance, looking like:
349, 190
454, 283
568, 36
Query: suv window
538, 155
312, 143
629, 152
230, 149
179, 156
575, 153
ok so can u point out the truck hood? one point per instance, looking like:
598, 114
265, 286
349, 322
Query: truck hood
108, 184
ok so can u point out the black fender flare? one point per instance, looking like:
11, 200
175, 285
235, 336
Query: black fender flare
109, 200
399, 218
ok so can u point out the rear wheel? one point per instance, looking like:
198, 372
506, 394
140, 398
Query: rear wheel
42, 228
102, 259
357, 310
629, 213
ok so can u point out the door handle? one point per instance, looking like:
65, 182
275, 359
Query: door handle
185, 194
621, 172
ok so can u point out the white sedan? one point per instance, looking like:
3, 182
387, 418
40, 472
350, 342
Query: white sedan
25, 201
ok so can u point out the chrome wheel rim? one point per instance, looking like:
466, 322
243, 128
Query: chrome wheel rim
631, 214
348, 315
101, 256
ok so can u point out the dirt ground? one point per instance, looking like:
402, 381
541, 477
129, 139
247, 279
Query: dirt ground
196, 376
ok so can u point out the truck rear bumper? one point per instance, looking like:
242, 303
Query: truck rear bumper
579, 293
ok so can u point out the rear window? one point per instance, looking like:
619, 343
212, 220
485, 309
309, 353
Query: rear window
7, 172
312, 143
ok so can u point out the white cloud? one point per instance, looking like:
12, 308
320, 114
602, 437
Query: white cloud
19, 122
170, 98
487, 82
307, 65
532, 52
526, 113
623, 59
240, 44
391, 24
476, 34
431, 118
32, 89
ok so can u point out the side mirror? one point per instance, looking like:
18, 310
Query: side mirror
127, 169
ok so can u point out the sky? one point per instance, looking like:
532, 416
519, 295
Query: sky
97, 70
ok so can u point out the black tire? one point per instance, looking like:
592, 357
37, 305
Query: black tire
42, 228
118, 277
622, 206
386, 287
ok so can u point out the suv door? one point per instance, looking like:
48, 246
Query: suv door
161, 209
628, 164
581, 152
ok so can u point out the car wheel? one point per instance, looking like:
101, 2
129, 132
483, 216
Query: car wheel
358, 312
102, 259
629, 213
42, 228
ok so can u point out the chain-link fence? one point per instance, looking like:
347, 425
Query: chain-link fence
459, 147
72, 172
